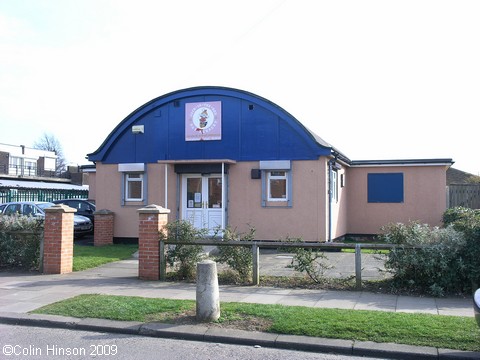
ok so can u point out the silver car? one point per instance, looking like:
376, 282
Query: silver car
81, 224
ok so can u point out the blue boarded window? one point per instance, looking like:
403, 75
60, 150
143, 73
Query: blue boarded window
385, 188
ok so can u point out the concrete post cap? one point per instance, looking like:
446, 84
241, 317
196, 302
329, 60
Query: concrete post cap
60, 208
207, 262
153, 209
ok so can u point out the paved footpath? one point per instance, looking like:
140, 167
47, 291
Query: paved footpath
23, 292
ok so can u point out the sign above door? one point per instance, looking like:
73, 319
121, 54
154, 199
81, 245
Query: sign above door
203, 121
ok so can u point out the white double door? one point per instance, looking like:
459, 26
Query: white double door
202, 201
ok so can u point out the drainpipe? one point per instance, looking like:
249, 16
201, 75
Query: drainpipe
329, 239
223, 196
166, 186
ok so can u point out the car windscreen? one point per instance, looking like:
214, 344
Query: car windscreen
43, 206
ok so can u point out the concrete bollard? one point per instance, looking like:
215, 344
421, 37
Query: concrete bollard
208, 297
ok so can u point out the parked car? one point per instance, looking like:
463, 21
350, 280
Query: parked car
81, 224
476, 305
84, 207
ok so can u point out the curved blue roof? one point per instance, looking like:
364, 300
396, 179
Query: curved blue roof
253, 128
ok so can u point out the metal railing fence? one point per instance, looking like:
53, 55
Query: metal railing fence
256, 245
9, 194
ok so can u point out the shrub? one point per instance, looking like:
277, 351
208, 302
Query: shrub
472, 254
20, 238
437, 266
239, 258
309, 261
184, 257
413, 233
468, 222
461, 218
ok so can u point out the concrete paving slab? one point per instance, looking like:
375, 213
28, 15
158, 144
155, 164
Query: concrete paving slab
20, 295
298, 299
267, 290
368, 301
454, 307
232, 298
410, 304
22, 307
335, 304
229, 289
339, 300
262, 299
183, 296
456, 312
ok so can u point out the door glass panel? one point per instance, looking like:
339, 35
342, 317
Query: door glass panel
194, 192
215, 193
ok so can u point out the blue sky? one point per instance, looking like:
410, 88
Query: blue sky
376, 79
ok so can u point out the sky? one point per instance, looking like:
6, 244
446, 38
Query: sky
375, 79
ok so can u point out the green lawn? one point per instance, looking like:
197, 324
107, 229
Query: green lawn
367, 251
461, 333
86, 257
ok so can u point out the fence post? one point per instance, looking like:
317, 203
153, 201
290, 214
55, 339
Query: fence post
58, 240
40, 262
256, 264
163, 261
152, 218
358, 266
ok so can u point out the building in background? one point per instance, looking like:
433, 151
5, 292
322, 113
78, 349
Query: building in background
24, 161
28, 174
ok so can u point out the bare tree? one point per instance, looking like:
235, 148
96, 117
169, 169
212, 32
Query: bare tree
50, 143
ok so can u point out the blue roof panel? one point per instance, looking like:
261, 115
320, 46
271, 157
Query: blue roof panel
253, 128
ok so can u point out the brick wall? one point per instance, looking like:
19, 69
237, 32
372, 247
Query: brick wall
103, 231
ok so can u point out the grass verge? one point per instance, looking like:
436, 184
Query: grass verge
460, 333
86, 257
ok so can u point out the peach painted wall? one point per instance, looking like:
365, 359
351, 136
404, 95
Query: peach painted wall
92, 189
108, 182
339, 207
307, 216
424, 198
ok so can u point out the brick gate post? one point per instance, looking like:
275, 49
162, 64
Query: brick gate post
152, 218
103, 230
58, 240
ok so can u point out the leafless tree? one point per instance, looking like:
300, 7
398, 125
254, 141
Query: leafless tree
50, 143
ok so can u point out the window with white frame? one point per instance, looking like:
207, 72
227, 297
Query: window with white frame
30, 167
15, 162
133, 187
277, 185
334, 188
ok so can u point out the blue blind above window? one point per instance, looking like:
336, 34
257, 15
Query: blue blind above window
385, 188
